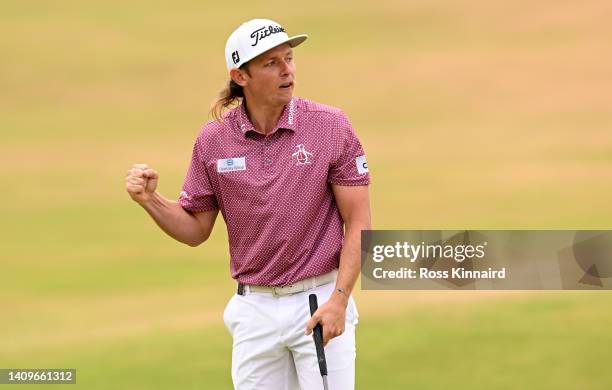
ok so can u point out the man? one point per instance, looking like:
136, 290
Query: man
291, 181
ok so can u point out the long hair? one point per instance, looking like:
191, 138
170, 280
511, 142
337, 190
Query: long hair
229, 96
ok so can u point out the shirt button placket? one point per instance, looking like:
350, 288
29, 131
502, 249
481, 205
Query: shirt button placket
267, 161
262, 160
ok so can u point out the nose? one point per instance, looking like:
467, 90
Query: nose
286, 68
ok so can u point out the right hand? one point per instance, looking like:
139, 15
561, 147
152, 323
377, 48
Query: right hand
141, 182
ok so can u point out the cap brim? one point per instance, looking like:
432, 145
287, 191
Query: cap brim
296, 40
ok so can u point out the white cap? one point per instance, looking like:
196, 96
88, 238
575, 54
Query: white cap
255, 37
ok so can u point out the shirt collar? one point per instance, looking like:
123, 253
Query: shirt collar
286, 120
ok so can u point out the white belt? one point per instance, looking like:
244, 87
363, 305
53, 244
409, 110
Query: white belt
293, 288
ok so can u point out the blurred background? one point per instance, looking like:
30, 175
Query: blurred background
474, 114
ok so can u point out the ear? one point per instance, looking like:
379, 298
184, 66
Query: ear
239, 76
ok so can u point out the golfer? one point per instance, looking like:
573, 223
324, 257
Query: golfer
290, 178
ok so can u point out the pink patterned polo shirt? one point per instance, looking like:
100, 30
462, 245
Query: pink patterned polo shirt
274, 190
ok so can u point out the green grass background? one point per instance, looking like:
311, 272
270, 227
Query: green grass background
473, 114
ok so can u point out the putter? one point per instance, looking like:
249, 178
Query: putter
317, 334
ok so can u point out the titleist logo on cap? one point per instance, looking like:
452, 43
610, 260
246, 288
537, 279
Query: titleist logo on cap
264, 32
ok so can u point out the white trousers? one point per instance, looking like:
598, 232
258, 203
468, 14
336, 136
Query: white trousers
270, 350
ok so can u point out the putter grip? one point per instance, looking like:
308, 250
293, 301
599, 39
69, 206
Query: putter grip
317, 334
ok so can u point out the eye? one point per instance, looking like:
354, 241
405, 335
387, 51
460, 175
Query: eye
269, 63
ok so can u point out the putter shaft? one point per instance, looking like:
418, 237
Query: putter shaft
317, 334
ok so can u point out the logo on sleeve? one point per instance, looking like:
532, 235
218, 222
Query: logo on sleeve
362, 165
231, 164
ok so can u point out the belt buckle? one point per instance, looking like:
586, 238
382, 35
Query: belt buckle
278, 291
275, 291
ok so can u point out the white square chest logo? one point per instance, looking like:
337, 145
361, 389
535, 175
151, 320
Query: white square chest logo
231, 164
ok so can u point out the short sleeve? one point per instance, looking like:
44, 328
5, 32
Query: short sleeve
348, 166
197, 194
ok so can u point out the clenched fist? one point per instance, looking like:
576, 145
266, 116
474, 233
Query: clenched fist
141, 182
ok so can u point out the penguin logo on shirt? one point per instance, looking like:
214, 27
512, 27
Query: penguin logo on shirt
302, 156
